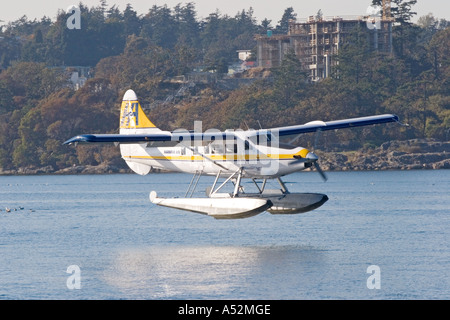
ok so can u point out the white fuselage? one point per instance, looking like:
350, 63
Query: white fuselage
257, 161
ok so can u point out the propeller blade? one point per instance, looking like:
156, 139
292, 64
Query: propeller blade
320, 171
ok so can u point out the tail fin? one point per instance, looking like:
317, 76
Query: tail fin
131, 114
133, 120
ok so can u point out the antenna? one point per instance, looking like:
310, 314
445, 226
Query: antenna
259, 124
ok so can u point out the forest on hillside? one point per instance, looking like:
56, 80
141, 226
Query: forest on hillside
39, 109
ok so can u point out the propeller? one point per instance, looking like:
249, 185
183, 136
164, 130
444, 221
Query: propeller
320, 171
316, 163
313, 158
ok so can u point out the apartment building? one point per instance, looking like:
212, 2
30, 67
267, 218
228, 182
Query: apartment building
316, 42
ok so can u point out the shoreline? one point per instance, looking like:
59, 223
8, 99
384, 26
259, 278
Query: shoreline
414, 154
124, 171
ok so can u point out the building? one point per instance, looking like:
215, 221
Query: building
243, 55
78, 76
316, 41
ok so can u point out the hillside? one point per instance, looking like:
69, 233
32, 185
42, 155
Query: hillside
117, 50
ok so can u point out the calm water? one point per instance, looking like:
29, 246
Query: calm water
128, 248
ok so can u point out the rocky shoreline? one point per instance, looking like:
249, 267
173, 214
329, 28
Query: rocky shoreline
393, 155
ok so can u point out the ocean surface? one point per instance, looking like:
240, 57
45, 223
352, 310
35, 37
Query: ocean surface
381, 235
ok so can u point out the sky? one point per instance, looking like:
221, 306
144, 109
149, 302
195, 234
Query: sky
272, 10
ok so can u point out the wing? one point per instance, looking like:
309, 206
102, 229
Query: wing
337, 124
163, 136
213, 135
120, 138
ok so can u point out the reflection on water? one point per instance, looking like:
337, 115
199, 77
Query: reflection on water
207, 271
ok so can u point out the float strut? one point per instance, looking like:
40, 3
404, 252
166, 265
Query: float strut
283, 186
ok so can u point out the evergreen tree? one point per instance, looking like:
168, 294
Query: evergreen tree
289, 81
283, 24
132, 22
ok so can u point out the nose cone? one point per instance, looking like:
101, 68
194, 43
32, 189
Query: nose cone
311, 156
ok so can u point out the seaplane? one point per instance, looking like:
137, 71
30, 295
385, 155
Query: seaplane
230, 156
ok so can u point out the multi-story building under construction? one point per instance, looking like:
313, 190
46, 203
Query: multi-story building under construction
316, 41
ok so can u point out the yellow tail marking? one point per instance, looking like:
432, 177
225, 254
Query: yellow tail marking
132, 116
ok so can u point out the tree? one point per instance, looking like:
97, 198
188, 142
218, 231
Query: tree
289, 80
283, 24
319, 15
101, 36
352, 57
32, 81
29, 148
402, 13
439, 53
401, 10
160, 26
265, 26
188, 33
10, 50
6, 98
132, 22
